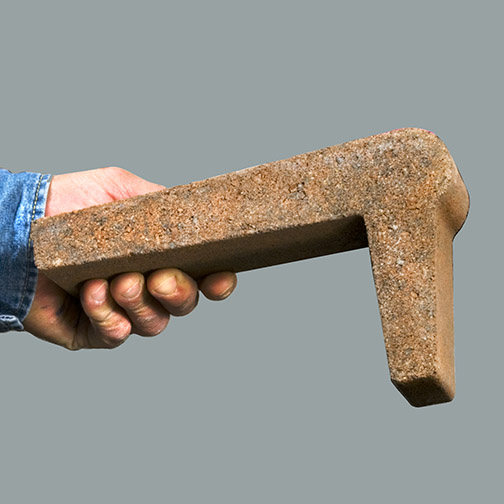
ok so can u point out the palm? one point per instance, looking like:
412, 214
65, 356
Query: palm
107, 313
53, 307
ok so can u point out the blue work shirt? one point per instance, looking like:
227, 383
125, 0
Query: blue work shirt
23, 199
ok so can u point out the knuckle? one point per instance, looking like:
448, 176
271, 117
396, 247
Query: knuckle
135, 303
98, 310
114, 341
186, 306
185, 298
153, 331
101, 316
147, 320
151, 325
158, 330
114, 170
185, 309
117, 334
72, 346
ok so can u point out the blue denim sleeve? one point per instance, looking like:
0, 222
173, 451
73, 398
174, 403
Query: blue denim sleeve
22, 199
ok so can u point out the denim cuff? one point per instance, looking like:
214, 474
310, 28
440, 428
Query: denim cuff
23, 199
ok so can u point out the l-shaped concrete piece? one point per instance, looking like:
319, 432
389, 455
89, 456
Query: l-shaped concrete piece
399, 193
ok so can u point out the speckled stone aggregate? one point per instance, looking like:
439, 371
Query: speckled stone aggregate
399, 193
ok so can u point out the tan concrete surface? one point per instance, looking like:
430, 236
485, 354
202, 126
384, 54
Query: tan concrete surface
399, 193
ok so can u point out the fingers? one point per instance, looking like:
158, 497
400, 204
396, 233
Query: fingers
110, 323
175, 291
218, 286
147, 315
132, 304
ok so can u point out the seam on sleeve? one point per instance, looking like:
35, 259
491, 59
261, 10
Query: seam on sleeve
28, 248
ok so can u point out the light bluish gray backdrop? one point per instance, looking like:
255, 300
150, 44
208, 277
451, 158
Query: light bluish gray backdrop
281, 393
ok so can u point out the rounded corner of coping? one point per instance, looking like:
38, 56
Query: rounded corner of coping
452, 192
413, 131
429, 139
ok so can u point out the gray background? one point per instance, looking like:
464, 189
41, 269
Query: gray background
281, 393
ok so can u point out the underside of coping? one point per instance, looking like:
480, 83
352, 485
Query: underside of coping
399, 193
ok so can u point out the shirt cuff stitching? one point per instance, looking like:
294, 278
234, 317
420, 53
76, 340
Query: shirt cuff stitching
28, 248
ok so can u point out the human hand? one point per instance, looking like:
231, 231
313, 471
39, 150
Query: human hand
108, 312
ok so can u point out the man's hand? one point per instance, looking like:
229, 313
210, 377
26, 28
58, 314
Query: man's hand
108, 312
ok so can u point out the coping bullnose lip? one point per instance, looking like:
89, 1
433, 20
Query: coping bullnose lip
398, 192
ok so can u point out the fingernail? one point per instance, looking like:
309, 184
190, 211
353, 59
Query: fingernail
167, 286
227, 292
224, 294
133, 290
100, 293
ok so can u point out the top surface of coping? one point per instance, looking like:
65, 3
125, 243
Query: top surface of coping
390, 173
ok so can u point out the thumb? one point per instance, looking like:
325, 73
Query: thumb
73, 191
128, 184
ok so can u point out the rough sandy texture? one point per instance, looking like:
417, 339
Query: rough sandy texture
399, 193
